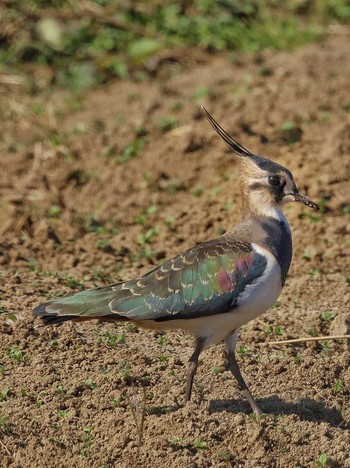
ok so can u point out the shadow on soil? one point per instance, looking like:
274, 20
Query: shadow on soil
306, 408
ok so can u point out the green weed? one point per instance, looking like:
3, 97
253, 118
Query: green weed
225, 455
148, 236
4, 393
163, 357
322, 460
117, 402
14, 353
291, 132
326, 316
4, 422
112, 339
217, 370
89, 383
167, 123
124, 369
243, 350
200, 444
161, 340
87, 440
131, 150
274, 329
338, 386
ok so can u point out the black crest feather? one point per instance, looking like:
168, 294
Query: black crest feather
230, 142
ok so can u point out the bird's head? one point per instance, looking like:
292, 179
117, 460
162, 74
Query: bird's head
265, 184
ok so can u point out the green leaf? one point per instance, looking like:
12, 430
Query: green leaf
141, 49
200, 444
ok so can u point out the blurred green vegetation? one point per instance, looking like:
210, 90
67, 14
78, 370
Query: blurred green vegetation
82, 43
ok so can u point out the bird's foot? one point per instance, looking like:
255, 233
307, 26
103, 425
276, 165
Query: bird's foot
256, 410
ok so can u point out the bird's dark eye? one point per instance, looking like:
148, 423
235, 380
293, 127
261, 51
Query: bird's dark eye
274, 180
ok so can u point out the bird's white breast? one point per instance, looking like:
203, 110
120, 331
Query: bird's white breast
263, 292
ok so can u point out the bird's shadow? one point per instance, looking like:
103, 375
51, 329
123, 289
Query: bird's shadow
307, 409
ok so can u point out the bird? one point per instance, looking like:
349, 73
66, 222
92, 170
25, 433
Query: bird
213, 288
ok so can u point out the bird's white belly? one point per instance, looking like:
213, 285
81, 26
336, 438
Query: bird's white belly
256, 299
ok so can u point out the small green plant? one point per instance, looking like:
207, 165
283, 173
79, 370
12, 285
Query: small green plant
176, 106
291, 132
274, 329
54, 211
314, 271
217, 370
141, 218
323, 204
148, 235
225, 455
90, 383
325, 349
124, 368
53, 342
131, 150
311, 331
130, 327
4, 422
146, 252
201, 93
215, 191
161, 340
198, 190
117, 402
200, 444
174, 187
326, 316
87, 440
163, 357
175, 440
227, 206
299, 358
345, 209
314, 217
167, 123
112, 339
243, 350
4, 393
338, 386
170, 222
322, 460
70, 281
14, 353
103, 244
60, 390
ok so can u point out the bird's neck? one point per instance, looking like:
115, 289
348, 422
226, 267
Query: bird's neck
271, 231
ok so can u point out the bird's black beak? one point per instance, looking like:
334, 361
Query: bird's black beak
299, 197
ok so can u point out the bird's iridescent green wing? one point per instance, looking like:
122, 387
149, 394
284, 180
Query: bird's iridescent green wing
204, 280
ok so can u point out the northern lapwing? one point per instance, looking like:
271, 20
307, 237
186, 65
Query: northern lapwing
215, 287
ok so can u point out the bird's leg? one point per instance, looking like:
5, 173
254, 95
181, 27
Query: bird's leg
231, 342
192, 367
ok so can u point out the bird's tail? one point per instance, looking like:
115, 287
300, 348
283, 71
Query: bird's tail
85, 305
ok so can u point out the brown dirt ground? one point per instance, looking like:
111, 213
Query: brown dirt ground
74, 396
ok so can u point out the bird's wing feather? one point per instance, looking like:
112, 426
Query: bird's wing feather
204, 280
